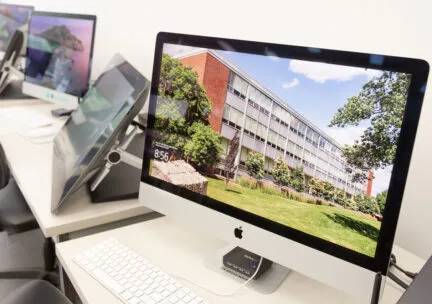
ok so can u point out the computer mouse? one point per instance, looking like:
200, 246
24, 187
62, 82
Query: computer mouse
41, 132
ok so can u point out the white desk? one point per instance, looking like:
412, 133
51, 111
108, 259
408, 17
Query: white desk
179, 250
31, 167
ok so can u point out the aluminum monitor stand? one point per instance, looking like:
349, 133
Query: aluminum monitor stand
115, 156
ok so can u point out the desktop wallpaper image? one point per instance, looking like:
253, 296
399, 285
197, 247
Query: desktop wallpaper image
11, 19
311, 147
59, 53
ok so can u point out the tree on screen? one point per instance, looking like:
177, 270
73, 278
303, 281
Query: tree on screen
281, 172
255, 165
381, 199
366, 204
229, 162
182, 101
381, 102
203, 148
297, 179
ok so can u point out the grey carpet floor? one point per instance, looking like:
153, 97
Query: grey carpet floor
19, 251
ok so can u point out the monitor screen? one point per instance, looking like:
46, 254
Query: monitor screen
59, 52
12, 18
301, 147
92, 128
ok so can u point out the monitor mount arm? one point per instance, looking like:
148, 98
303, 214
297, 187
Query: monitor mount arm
116, 155
9, 68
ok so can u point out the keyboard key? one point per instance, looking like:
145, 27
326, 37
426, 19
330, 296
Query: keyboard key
156, 296
133, 289
173, 299
147, 300
106, 280
134, 300
171, 288
180, 294
126, 295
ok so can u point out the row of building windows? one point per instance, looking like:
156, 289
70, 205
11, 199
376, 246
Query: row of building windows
261, 101
234, 118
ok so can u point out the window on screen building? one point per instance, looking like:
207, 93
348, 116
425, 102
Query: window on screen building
238, 85
281, 142
272, 137
250, 125
233, 116
261, 131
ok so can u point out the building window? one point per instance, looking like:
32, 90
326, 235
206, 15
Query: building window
281, 142
251, 125
322, 143
272, 137
260, 98
261, 132
233, 116
301, 130
237, 85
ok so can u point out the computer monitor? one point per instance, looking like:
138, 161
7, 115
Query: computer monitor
13, 18
100, 120
297, 154
59, 57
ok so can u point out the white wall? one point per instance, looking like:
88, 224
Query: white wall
393, 27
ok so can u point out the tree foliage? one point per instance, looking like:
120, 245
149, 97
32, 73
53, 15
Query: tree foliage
322, 189
366, 204
255, 165
203, 148
381, 199
381, 102
339, 197
229, 162
182, 102
297, 179
281, 172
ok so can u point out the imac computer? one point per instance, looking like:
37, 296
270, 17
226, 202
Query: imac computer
99, 122
13, 18
297, 154
59, 57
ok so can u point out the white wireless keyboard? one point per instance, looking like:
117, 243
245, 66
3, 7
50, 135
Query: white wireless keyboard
29, 118
130, 277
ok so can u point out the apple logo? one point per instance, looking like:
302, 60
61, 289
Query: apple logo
238, 232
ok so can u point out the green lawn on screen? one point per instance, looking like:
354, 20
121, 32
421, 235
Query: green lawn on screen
333, 224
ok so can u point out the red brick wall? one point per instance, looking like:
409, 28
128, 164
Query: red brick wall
197, 63
369, 184
213, 75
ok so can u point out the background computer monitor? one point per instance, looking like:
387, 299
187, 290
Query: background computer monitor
12, 18
316, 142
59, 57
103, 117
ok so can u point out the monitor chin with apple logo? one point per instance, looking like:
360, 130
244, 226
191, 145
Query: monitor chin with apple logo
271, 141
